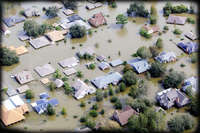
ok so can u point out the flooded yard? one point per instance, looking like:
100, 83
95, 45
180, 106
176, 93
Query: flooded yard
110, 39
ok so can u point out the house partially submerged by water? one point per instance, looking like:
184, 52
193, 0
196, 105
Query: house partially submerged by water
191, 35
19, 50
11, 21
102, 82
68, 12
59, 83
91, 6
173, 19
13, 110
190, 83
101, 58
5, 29
56, 35
171, 97
70, 71
139, 65
97, 20
103, 65
116, 62
11, 92
122, 116
166, 57
151, 29
44, 70
40, 106
24, 77
69, 62
31, 12
86, 51
81, 89
39, 42
188, 47
23, 88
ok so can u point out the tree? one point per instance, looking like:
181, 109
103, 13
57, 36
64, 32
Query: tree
154, 51
57, 74
153, 10
180, 123
82, 104
194, 106
99, 96
51, 12
141, 105
177, 31
79, 74
93, 113
92, 66
114, 99
121, 19
102, 112
138, 89
110, 91
52, 86
129, 78
67, 88
90, 124
77, 31
122, 86
95, 107
144, 33
63, 111
138, 9
50, 110
159, 43
83, 119
153, 19
29, 94
8, 57
70, 4
173, 79
143, 52
157, 69
127, 67
118, 105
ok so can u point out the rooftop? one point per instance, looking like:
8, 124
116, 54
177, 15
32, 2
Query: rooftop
69, 62
116, 62
69, 71
23, 88
172, 19
140, 65
39, 42
24, 77
56, 35
44, 70
165, 57
97, 20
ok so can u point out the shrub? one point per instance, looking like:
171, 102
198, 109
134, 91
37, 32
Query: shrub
93, 113
143, 52
52, 86
144, 33
29, 94
159, 43
63, 111
79, 74
122, 86
7, 57
153, 19
177, 31
82, 104
95, 107
166, 27
77, 31
90, 32
138, 9
83, 119
118, 105
114, 99
99, 96
50, 110
129, 78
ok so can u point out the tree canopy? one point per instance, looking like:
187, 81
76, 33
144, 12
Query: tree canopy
77, 31
51, 12
138, 9
8, 57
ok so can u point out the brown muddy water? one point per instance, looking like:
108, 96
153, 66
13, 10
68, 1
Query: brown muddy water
126, 40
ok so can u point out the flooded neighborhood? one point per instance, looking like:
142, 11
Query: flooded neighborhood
99, 65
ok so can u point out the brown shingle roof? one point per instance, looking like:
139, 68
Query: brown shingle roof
56, 35
97, 20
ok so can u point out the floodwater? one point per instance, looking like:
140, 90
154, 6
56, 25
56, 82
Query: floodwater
126, 40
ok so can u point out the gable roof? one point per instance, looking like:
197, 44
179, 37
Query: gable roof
103, 81
39, 42
97, 20
116, 62
59, 83
44, 70
103, 65
190, 82
19, 50
172, 19
11, 21
88, 50
56, 35
23, 88
188, 47
69, 62
140, 65
123, 115
165, 57
24, 77
30, 12
68, 12
11, 92
191, 35
69, 71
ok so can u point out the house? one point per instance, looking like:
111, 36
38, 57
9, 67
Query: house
23, 36
69, 62
91, 6
190, 83
24, 77
151, 29
166, 57
11, 92
44, 80
103, 81
88, 51
191, 36
97, 20
23, 88
5, 29
122, 116
116, 62
40, 106
188, 47
44, 70
172, 19
56, 35
82, 89
39, 42
59, 83
11, 21
31, 12
74, 18
13, 110
104, 65
19, 50
67, 25
171, 97
70, 71
44, 95
68, 12
101, 58
139, 65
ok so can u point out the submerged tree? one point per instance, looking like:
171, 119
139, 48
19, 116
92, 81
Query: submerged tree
51, 12
8, 57
121, 19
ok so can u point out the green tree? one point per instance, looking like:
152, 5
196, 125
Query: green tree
7, 57
29, 94
138, 89
92, 66
138, 9
51, 12
143, 52
67, 88
70, 4
50, 110
129, 78
52, 86
154, 51
157, 69
63, 111
82, 104
110, 91
127, 67
99, 95
79, 74
122, 86
90, 124
77, 31
57, 74
153, 19
95, 107
114, 99
159, 43
194, 106
118, 105
177, 31
121, 19
83, 119
143, 32
93, 113
180, 123
102, 112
